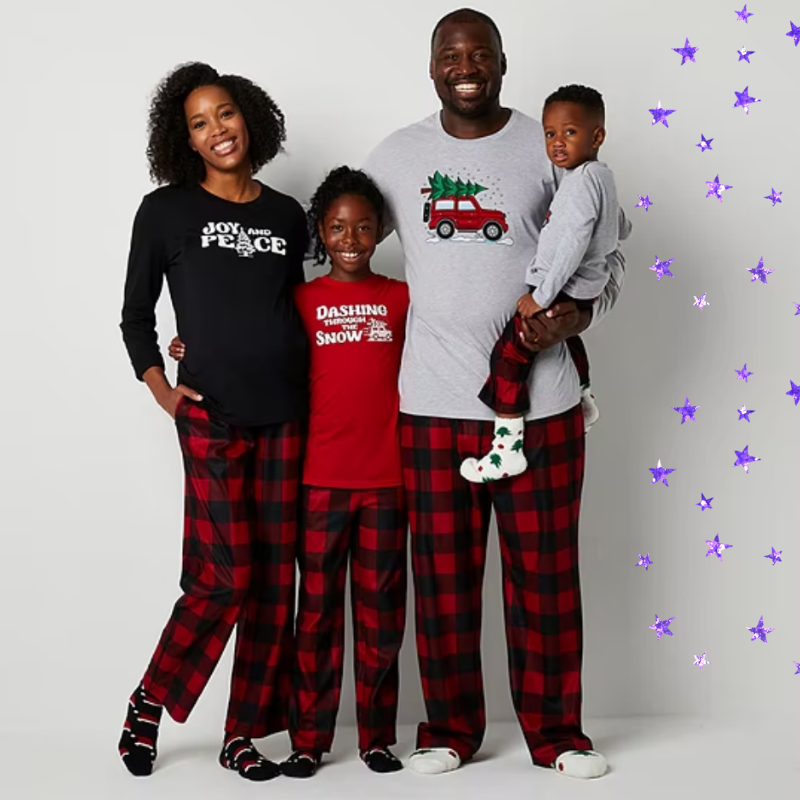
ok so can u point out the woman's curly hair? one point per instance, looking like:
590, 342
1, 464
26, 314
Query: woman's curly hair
171, 159
338, 182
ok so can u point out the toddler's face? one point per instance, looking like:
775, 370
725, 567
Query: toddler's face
571, 135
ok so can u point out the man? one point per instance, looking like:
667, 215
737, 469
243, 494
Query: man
467, 190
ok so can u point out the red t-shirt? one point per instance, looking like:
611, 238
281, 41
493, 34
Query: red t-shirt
356, 333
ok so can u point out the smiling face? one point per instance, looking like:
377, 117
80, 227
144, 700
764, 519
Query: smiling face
350, 232
467, 68
572, 134
217, 130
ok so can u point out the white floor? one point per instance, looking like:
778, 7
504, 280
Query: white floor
651, 758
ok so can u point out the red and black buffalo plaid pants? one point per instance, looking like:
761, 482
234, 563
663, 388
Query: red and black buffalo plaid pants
537, 520
240, 532
369, 528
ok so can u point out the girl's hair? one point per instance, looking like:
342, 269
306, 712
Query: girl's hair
338, 182
171, 159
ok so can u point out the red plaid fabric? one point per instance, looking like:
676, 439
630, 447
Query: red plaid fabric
537, 517
240, 533
506, 388
369, 526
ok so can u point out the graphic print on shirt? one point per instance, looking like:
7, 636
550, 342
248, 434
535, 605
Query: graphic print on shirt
452, 211
353, 323
245, 241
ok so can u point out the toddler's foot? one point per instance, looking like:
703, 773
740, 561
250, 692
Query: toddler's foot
381, 759
590, 411
505, 459
239, 754
301, 764
434, 760
581, 764
137, 745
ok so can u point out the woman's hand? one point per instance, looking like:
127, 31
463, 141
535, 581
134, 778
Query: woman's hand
527, 306
167, 397
560, 322
176, 349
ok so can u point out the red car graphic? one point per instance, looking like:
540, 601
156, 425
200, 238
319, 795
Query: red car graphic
451, 213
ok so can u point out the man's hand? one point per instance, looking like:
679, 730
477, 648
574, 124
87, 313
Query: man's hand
560, 322
527, 306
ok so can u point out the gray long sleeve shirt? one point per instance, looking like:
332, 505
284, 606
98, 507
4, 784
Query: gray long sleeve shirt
468, 213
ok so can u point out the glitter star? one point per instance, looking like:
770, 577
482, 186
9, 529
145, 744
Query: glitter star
644, 202
686, 412
716, 547
775, 555
661, 268
759, 273
794, 392
660, 473
742, 15
701, 302
687, 51
743, 373
716, 188
797, 664
794, 33
705, 502
662, 627
660, 114
701, 662
644, 561
744, 54
759, 631
744, 459
743, 99
797, 306
745, 414
705, 144
775, 197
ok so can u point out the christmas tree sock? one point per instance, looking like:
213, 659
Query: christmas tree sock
239, 754
137, 745
381, 759
301, 764
505, 459
434, 760
580, 764
590, 411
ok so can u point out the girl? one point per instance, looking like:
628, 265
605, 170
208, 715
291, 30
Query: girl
231, 249
353, 502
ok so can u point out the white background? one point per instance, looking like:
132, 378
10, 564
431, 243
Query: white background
91, 502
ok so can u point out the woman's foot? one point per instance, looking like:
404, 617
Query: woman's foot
301, 764
581, 764
590, 411
505, 459
434, 760
137, 745
381, 759
239, 754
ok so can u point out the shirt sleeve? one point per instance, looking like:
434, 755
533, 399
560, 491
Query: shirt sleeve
143, 284
304, 248
616, 277
375, 169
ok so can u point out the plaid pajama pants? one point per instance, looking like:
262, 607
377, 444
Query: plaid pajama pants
368, 526
537, 520
240, 532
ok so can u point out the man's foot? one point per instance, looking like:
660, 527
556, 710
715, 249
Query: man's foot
434, 760
581, 764
505, 459
590, 411
381, 759
239, 754
301, 764
137, 745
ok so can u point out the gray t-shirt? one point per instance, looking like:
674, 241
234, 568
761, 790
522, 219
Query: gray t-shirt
468, 213
580, 230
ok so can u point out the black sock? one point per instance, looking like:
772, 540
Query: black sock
137, 745
301, 764
381, 759
239, 754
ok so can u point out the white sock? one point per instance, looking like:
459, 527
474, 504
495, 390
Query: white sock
581, 764
505, 459
590, 411
434, 760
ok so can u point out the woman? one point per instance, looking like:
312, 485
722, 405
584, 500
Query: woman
231, 250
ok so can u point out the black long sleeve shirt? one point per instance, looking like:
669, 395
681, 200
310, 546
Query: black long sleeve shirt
231, 268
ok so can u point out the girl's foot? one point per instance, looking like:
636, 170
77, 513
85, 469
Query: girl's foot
239, 754
505, 459
434, 760
301, 764
381, 759
137, 745
590, 411
581, 764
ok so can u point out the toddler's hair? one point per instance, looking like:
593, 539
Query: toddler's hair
338, 182
584, 96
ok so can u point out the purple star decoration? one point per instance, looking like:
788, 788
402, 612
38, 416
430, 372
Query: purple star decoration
775, 197
700, 302
744, 54
687, 51
759, 273
794, 33
743, 99
745, 414
686, 412
716, 188
705, 502
743, 373
660, 473
794, 392
797, 306
759, 631
662, 627
644, 202
660, 114
742, 15
705, 144
716, 547
661, 268
644, 561
701, 662
797, 664
744, 459
775, 555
